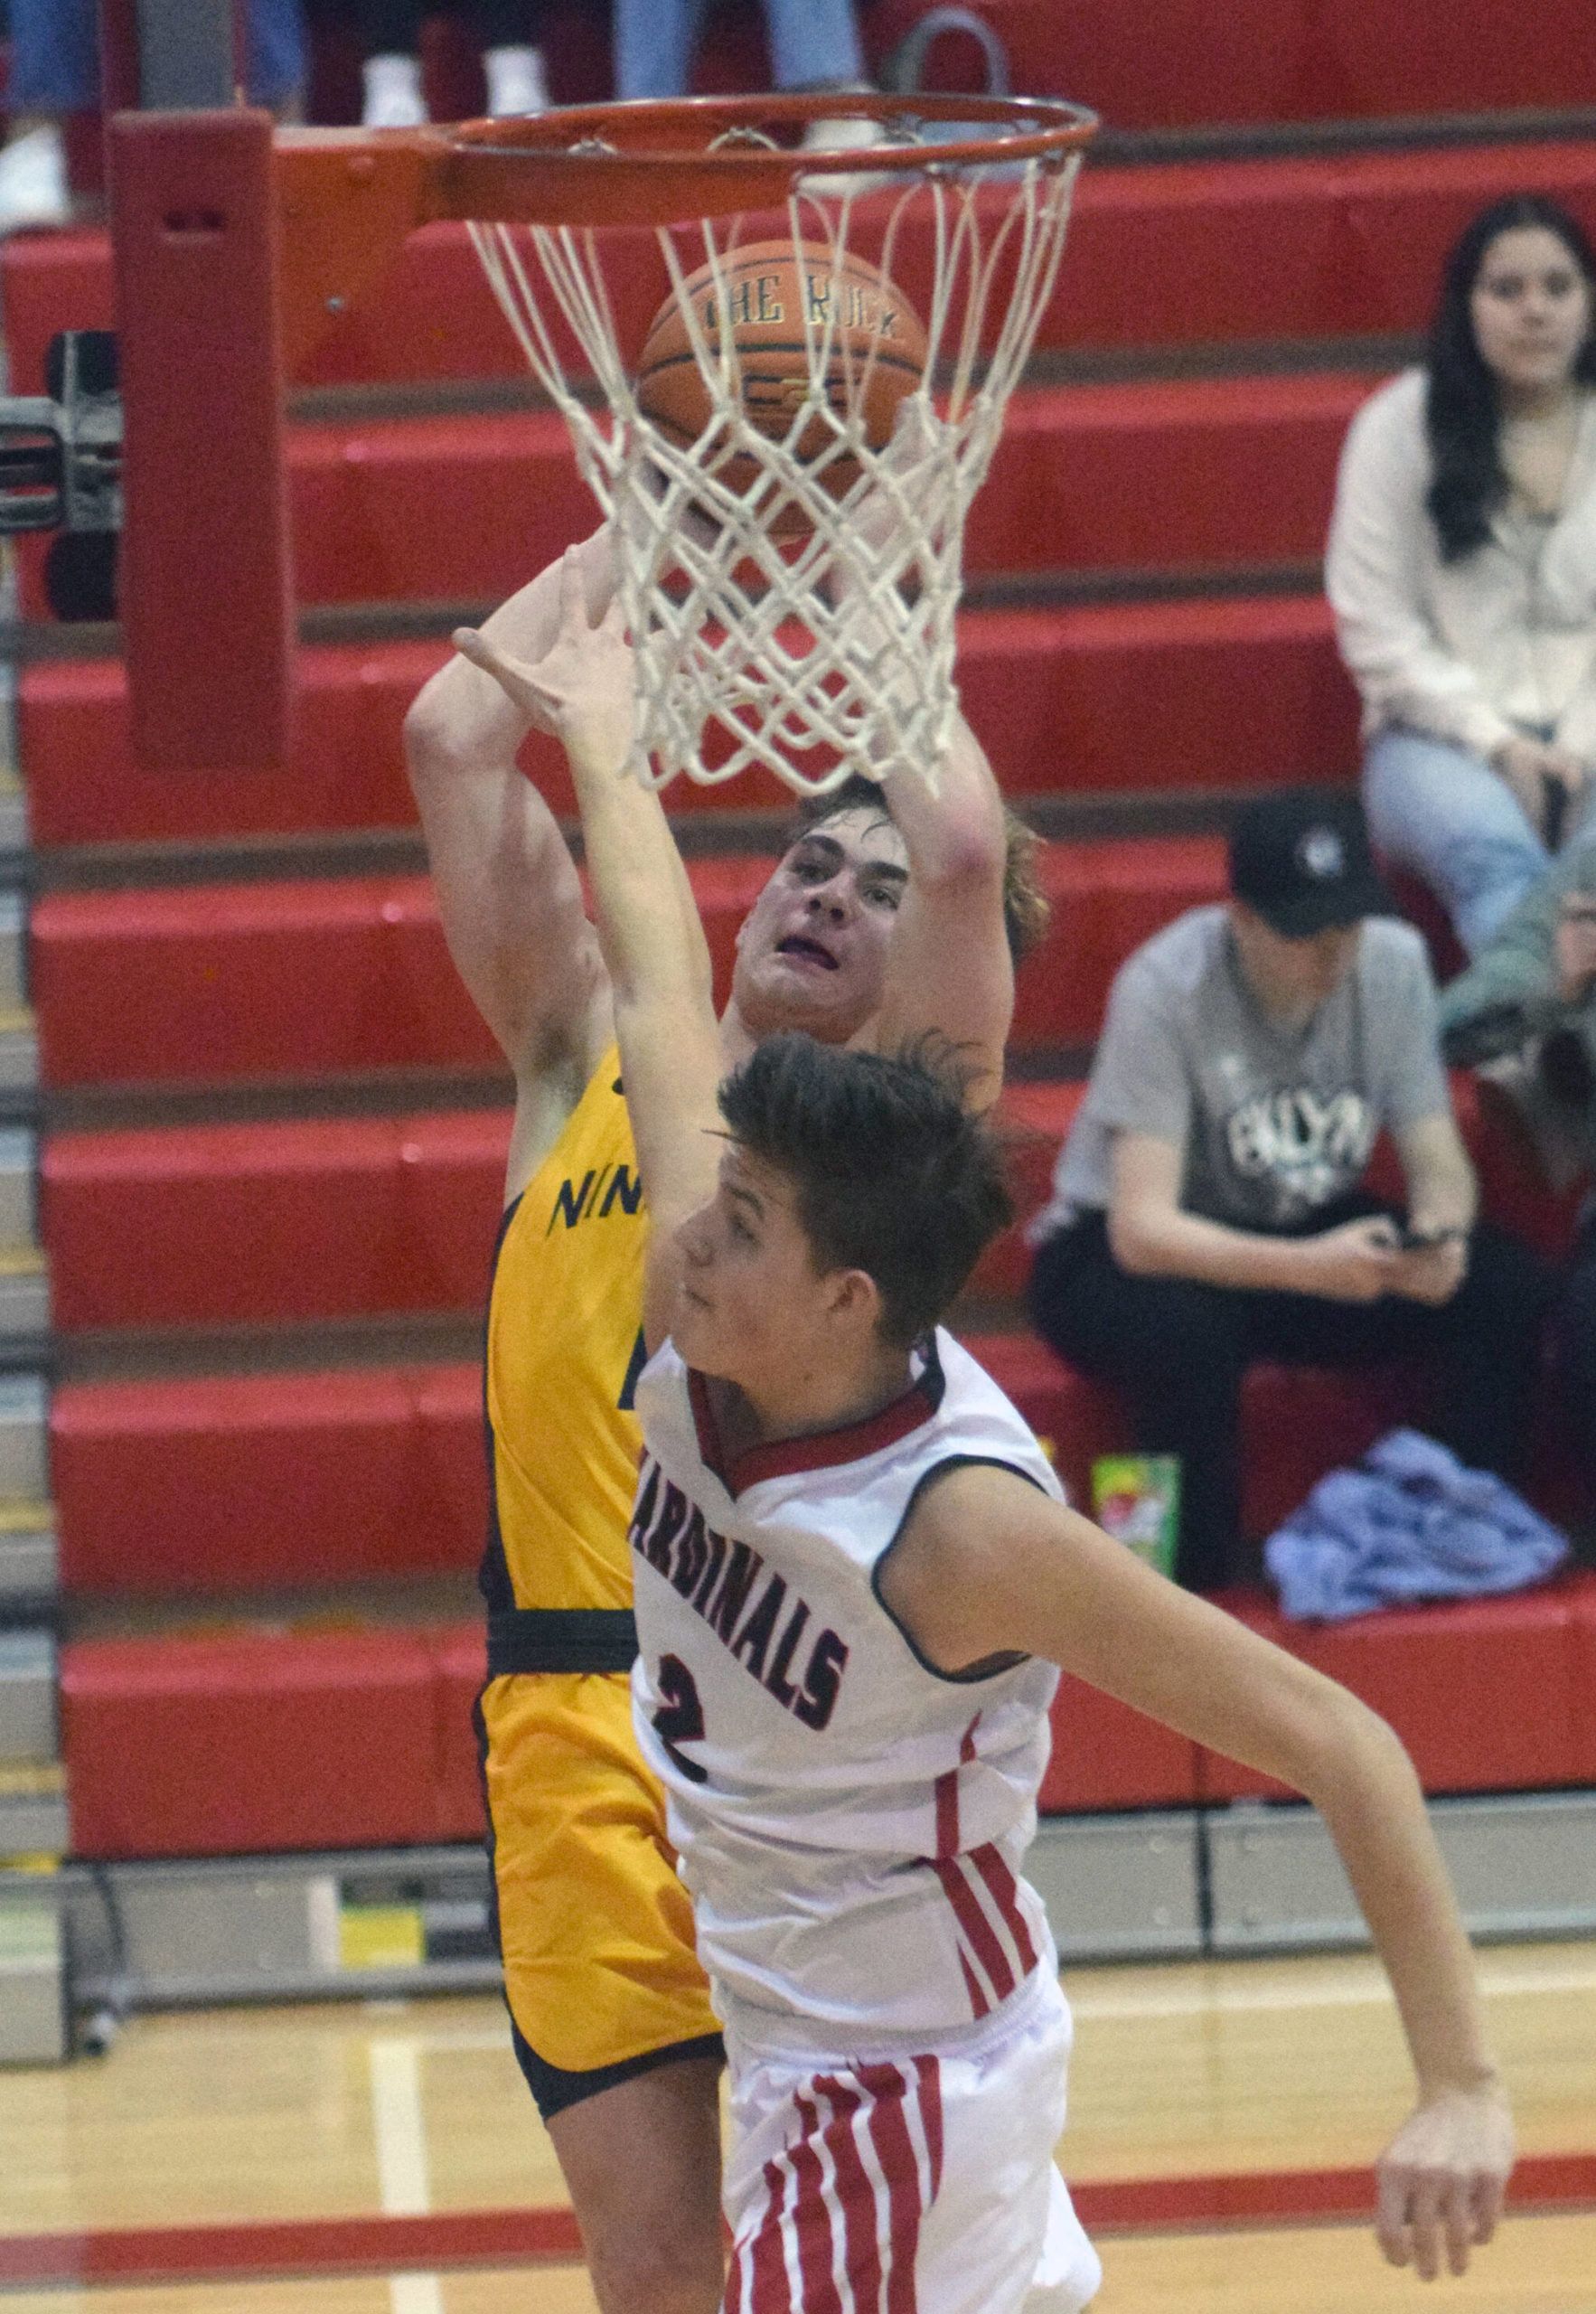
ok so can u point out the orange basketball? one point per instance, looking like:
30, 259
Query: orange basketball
876, 352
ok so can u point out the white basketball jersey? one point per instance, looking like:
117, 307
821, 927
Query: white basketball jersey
850, 1823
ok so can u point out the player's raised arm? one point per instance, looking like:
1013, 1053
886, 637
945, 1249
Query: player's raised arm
950, 966
508, 890
648, 925
988, 1563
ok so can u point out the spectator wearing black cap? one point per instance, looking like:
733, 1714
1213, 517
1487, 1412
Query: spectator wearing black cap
1207, 1208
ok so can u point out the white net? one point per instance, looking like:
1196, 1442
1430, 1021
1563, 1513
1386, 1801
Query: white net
777, 621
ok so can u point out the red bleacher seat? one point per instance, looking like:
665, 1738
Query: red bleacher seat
1081, 699
266, 980
210, 1225
249, 1742
1239, 469
460, 1664
219, 1484
1194, 253
1485, 1693
1156, 64
1580, 1593
1106, 1756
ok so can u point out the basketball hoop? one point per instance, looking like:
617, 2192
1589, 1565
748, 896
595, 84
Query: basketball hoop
790, 585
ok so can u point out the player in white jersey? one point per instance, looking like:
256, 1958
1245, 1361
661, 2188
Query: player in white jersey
852, 1784
851, 1824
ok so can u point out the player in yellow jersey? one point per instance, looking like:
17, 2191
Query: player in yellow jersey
880, 921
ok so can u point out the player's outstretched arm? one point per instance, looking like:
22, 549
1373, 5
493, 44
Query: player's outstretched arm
654, 944
950, 967
986, 1563
508, 890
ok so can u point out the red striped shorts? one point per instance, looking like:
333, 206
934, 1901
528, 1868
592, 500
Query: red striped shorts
919, 2185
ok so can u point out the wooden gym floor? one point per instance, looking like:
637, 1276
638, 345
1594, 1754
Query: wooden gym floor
278, 2152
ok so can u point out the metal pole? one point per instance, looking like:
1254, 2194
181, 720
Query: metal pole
186, 56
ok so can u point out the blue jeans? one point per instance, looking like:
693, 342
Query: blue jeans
811, 42
55, 53
1440, 810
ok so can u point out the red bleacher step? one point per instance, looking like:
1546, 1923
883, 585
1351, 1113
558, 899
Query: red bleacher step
1194, 253
1126, 696
249, 981
224, 1482
216, 1224
1222, 471
251, 1742
1145, 64
1487, 1695
212, 1225
240, 1224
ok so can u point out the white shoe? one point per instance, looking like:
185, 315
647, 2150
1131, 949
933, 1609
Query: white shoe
393, 93
846, 135
33, 181
841, 135
516, 82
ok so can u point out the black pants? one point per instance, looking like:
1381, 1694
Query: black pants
393, 27
1573, 1351
1176, 1351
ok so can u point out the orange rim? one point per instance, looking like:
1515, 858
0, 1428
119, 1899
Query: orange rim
661, 163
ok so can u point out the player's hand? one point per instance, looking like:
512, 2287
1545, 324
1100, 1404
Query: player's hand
582, 689
1357, 1262
1439, 2182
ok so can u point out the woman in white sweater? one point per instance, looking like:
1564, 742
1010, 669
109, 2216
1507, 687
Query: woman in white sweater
1461, 569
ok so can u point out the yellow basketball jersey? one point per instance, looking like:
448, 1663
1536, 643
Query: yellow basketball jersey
564, 1349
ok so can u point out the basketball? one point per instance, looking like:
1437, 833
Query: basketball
779, 298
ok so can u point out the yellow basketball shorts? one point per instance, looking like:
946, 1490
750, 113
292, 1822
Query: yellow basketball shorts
596, 1930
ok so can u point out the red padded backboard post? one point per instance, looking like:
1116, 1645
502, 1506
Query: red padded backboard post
205, 589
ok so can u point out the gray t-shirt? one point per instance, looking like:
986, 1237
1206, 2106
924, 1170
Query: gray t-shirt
1275, 1123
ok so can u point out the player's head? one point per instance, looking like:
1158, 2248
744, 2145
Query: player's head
855, 1194
813, 951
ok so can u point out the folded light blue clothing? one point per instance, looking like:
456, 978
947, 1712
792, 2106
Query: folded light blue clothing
1409, 1522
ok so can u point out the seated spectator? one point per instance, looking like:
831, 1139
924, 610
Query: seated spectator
814, 44
1527, 1005
1207, 1208
55, 71
513, 60
1461, 567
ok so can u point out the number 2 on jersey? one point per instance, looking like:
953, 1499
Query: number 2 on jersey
681, 1717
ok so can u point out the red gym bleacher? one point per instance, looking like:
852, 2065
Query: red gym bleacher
274, 1127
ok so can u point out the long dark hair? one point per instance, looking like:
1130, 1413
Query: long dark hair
1462, 409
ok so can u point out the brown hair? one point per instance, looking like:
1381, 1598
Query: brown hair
892, 1173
